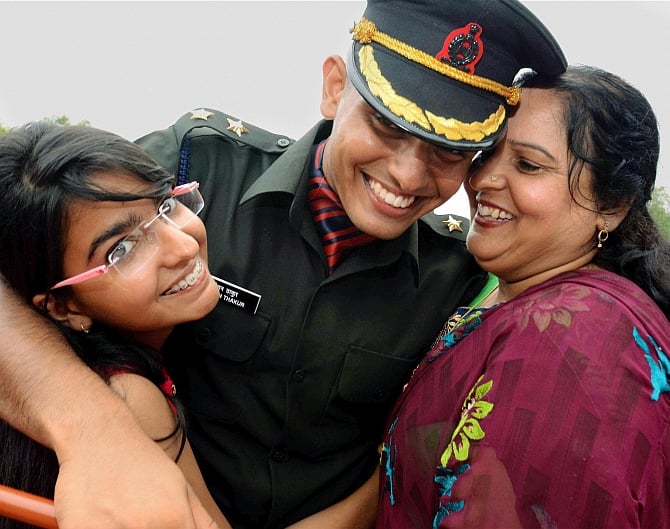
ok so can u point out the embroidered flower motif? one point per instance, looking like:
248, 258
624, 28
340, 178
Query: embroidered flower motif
555, 304
388, 461
468, 428
543, 518
659, 371
447, 339
445, 480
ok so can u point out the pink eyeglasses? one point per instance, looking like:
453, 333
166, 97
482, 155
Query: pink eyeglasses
133, 251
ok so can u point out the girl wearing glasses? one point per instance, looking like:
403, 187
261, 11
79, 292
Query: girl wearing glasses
95, 236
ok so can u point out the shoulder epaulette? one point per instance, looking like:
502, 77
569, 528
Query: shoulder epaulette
448, 225
200, 120
207, 122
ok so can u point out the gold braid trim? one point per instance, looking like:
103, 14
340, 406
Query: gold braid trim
365, 32
475, 131
380, 87
450, 128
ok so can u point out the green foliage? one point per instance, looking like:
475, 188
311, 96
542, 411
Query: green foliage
659, 208
64, 120
60, 120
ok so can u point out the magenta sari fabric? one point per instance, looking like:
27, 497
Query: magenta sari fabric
549, 411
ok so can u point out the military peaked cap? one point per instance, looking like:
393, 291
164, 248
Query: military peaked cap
444, 70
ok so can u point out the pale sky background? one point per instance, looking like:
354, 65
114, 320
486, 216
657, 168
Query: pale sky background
133, 67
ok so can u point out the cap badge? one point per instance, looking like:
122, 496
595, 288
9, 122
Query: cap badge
463, 48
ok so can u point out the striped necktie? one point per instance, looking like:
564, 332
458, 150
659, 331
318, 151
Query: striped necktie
338, 235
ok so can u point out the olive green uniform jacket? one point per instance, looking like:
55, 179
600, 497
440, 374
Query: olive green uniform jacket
286, 405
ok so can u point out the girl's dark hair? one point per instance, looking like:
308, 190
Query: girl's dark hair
612, 131
44, 167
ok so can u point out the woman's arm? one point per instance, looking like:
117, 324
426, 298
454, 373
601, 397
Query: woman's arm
110, 471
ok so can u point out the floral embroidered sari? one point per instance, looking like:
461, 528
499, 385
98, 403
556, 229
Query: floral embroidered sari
549, 411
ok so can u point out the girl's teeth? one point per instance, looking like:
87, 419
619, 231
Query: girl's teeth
188, 281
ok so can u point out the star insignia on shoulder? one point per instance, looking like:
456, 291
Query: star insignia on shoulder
201, 113
236, 126
453, 224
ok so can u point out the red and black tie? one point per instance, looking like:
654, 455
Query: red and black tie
338, 235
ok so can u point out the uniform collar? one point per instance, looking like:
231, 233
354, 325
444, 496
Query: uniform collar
384, 253
282, 177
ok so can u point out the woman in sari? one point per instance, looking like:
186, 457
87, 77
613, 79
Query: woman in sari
546, 404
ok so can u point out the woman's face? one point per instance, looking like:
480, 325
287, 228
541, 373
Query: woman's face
526, 226
172, 285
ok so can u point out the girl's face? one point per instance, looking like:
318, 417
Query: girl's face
172, 285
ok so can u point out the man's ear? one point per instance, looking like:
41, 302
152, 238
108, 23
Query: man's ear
62, 311
334, 81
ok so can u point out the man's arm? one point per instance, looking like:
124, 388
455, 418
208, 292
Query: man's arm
111, 474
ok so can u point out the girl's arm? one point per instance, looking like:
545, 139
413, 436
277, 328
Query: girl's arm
158, 420
110, 471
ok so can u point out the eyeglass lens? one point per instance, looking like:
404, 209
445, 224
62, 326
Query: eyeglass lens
129, 254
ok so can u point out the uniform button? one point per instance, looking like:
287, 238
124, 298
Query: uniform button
283, 142
204, 333
278, 456
298, 375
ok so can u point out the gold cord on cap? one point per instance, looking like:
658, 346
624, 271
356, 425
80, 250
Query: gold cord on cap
450, 128
366, 32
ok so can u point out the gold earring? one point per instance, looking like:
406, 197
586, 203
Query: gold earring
603, 234
83, 329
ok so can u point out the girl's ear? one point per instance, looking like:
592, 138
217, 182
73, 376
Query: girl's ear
63, 312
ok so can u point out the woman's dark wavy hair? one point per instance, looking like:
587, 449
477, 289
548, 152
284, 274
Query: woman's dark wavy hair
44, 167
613, 132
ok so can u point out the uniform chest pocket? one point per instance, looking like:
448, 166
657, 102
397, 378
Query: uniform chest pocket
370, 377
230, 333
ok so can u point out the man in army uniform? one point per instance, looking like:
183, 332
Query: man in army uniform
287, 382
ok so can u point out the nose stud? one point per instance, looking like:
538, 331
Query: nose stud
493, 178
